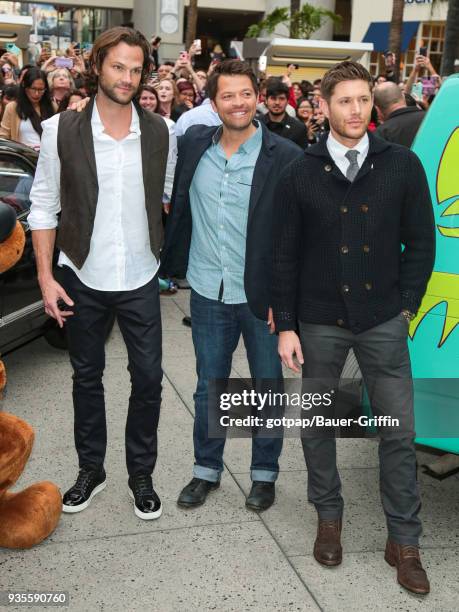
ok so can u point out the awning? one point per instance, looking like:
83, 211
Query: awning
378, 34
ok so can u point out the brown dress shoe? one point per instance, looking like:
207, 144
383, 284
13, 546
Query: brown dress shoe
327, 547
410, 573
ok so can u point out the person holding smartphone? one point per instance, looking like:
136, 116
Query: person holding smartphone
422, 64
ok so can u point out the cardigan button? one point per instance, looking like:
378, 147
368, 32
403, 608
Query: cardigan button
346, 288
364, 208
366, 248
343, 209
328, 168
340, 322
368, 286
344, 249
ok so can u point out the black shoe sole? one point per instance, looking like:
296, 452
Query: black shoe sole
256, 508
199, 503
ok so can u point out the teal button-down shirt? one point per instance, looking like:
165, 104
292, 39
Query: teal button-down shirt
219, 197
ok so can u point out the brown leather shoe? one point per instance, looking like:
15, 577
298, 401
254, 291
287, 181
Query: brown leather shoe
410, 573
327, 547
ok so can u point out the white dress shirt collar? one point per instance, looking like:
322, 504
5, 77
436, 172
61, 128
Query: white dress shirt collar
338, 152
98, 127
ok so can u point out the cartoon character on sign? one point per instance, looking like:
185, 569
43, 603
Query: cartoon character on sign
444, 284
434, 333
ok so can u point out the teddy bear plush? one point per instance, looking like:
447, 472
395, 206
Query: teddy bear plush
26, 517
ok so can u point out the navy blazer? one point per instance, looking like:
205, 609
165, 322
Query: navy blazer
275, 154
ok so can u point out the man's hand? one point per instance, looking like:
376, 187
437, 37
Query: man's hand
49, 65
80, 106
12, 59
389, 60
289, 345
43, 57
271, 324
78, 65
52, 293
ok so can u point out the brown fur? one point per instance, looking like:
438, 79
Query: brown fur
26, 517
11, 250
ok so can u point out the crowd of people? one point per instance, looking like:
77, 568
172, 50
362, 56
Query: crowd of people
279, 231
289, 107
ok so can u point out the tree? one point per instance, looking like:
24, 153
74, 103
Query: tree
302, 23
192, 21
451, 48
395, 34
294, 8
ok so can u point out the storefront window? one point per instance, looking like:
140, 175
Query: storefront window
433, 37
74, 24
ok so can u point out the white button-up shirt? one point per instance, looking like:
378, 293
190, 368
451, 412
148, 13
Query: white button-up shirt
338, 152
120, 258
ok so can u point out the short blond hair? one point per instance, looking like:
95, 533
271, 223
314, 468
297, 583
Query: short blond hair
53, 74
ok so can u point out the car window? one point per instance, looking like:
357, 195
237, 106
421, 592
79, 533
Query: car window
16, 180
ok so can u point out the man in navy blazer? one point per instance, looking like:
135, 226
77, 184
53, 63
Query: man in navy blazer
219, 235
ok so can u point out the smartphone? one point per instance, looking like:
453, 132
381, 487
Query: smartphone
197, 44
183, 55
64, 62
46, 46
416, 91
262, 63
423, 51
11, 48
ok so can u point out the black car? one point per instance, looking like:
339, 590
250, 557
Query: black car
22, 315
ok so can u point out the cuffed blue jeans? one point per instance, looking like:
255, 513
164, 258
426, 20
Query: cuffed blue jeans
216, 329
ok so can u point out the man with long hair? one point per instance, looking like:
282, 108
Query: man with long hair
104, 169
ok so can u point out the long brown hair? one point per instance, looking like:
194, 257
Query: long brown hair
113, 37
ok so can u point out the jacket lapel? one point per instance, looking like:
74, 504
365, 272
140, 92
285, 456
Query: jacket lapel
262, 170
200, 145
149, 145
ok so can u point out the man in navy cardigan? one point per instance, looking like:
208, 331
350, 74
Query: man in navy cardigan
354, 250
219, 235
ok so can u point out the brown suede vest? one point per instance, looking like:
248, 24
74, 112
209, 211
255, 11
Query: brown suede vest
79, 187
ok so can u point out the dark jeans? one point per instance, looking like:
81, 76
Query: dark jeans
216, 330
139, 320
382, 354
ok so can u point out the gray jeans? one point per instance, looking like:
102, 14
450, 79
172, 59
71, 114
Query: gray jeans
382, 354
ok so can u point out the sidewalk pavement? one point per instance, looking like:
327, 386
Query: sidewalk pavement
220, 556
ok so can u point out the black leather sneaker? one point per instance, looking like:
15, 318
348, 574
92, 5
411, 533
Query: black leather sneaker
89, 483
147, 504
261, 496
195, 492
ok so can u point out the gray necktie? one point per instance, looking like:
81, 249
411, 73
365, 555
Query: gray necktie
353, 169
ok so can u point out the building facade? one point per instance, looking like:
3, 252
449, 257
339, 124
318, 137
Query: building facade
424, 26
220, 21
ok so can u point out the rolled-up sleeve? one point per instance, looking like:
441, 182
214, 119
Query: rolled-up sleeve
45, 193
